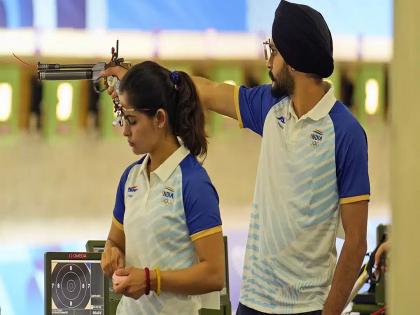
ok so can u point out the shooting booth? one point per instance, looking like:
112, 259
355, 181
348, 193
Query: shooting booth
370, 94
14, 101
60, 111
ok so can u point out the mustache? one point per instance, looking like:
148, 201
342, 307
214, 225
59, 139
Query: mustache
271, 75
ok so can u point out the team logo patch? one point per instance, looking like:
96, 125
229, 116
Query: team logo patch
168, 195
316, 137
281, 121
132, 189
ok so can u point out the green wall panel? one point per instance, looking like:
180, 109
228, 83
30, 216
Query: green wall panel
11, 75
366, 72
52, 127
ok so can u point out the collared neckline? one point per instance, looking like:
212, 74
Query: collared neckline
320, 110
169, 165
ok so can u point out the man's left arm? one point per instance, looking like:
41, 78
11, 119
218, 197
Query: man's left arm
354, 218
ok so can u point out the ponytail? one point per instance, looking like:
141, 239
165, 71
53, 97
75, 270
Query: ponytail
188, 122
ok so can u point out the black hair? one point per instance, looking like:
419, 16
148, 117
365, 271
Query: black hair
149, 87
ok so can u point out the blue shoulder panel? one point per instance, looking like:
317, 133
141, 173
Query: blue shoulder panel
351, 153
201, 202
119, 207
254, 105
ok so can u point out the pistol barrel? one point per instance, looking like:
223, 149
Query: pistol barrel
65, 75
57, 66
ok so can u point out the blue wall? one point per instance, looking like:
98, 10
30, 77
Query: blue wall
351, 17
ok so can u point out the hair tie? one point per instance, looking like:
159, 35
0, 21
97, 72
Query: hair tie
174, 76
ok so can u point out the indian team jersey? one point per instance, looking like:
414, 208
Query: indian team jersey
161, 218
307, 168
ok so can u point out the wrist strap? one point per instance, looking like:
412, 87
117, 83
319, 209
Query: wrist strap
147, 272
158, 281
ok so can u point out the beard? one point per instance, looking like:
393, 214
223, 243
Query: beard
284, 84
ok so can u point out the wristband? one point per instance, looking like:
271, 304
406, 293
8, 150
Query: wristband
147, 272
158, 281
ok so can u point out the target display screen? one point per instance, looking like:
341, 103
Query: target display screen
75, 286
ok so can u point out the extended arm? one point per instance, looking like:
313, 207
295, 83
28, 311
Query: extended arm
217, 97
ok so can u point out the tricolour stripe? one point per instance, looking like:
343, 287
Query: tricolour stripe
354, 199
236, 103
117, 223
206, 232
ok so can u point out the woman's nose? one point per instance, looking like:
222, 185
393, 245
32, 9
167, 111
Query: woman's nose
126, 130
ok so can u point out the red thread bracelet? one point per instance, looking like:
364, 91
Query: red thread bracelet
147, 272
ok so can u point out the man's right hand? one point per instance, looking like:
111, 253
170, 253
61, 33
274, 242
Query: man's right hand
116, 71
380, 262
111, 260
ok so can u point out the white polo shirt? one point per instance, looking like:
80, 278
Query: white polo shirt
161, 218
307, 167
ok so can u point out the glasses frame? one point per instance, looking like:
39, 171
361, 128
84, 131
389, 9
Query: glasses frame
121, 112
269, 50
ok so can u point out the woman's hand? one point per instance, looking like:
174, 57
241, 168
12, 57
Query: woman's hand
380, 262
133, 283
112, 259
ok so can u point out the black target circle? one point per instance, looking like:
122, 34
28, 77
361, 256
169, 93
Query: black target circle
71, 285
